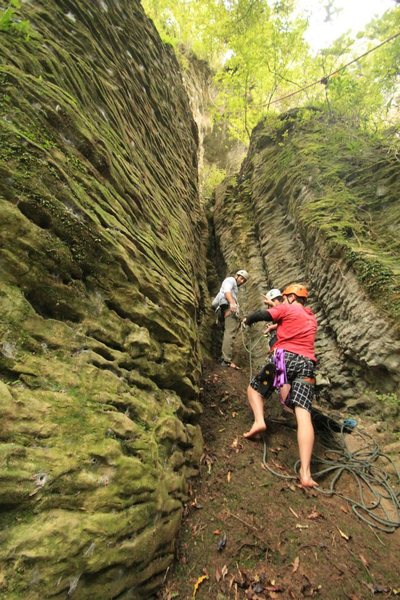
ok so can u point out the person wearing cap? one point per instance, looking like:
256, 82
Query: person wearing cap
294, 359
226, 302
272, 298
263, 382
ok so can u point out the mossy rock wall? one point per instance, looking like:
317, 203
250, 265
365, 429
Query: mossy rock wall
317, 201
102, 285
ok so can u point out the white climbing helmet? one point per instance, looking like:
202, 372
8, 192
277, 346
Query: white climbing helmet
243, 274
272, 294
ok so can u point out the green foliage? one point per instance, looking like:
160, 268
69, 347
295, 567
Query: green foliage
259, 57
211, 177
10, 23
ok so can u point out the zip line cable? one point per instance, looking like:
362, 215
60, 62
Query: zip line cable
324, 80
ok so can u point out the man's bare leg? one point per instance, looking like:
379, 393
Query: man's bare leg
305, 439
257, 406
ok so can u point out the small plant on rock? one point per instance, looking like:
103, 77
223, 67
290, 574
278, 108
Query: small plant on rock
9, 21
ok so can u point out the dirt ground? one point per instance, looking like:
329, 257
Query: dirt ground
250, 534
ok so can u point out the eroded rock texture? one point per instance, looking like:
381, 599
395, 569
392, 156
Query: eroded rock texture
101, 287
318, 202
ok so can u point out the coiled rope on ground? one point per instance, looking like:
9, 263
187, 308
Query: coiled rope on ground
382, 509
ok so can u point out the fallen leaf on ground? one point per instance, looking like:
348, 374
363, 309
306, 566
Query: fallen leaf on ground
294, 513
298, 526
296, 563
274, 588
344, 509
235, 443
278, 466
224, 571
364, 561
217, 532
229, 476
198, 584
344, 535
314, 515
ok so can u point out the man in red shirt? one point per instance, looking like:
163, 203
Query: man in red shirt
294, 358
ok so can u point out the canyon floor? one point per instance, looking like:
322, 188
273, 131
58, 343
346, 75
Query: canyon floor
248, 533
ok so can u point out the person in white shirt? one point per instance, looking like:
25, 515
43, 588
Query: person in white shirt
226, 301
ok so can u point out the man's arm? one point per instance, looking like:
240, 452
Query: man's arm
231, 300
259, 315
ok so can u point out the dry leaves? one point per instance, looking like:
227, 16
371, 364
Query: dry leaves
364, 561
315, 515
198, 584
344, 535
221, 573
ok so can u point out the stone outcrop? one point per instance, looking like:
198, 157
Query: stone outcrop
317, 201
102, 287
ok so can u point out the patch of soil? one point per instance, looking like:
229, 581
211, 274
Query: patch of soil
250, 534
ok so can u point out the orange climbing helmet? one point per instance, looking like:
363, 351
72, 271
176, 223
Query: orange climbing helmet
297, 289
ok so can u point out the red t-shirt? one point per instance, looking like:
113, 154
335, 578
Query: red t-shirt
297, 328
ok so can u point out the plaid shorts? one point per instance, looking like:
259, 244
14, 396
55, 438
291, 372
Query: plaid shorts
301, 393
297, 367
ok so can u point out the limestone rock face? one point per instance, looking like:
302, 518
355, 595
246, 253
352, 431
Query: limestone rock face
101, 279
317, 201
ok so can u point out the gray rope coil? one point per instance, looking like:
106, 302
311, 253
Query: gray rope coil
361, 466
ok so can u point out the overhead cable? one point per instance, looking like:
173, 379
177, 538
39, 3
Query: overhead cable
324, 80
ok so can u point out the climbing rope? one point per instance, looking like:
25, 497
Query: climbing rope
361, 466
250, 349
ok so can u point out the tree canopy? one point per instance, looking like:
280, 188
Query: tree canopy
262, 63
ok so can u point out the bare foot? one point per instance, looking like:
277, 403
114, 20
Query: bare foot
306, 481
256, 428
230, 364
233, 366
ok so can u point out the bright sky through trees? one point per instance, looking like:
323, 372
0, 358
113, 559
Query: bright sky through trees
269, 56
327, 22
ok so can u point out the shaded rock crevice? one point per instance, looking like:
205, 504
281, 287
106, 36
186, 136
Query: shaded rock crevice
304, 208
